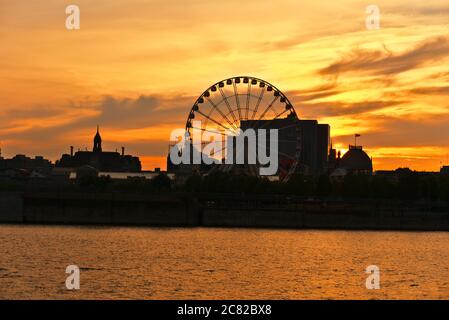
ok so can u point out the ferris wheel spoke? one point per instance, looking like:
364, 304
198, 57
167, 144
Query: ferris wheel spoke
225, 99
248, 95
258, 102
287, 155
213, 120
204, 143
219, 150
280, 114
268, 108
221, 113
237, 99
277, 116
211, 131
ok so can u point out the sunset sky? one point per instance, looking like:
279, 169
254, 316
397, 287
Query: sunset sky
136, 67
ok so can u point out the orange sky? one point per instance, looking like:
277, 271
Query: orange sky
135, 67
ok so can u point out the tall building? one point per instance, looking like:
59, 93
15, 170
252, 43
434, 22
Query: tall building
99, 159
312, 137
314, 146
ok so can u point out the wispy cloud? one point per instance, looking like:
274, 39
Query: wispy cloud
116, 116
336, 109
443, 90
377, 62
391, 131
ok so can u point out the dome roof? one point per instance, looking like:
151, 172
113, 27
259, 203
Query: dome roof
356, 159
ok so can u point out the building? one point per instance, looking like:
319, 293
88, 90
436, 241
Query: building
99, 159
444, 170
333, 160
37, 166
315, 139
355, 161
312, 137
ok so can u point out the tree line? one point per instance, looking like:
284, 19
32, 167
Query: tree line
401, 184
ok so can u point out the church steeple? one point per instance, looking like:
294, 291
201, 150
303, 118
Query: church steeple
97, 141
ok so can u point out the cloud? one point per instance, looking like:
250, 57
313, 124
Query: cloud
313, 93
377, 62
443, 90
143, 111
419, 10
389, 131
34, 112
440, 75
111, 112
334, 109
315, 96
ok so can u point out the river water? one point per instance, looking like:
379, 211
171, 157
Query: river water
200, 263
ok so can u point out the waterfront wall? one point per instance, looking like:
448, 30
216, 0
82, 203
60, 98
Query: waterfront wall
185, 211
327, 219
11, 207
109, 209
290, 212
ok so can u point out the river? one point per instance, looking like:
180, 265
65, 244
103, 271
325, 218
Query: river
203, 263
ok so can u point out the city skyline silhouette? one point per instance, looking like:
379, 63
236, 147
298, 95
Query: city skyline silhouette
138, 82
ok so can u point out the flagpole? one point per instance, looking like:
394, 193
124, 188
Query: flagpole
355, 139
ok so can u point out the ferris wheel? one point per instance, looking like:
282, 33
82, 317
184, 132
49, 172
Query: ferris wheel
247, 102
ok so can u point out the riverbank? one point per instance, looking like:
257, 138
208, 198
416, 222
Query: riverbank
211, 210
